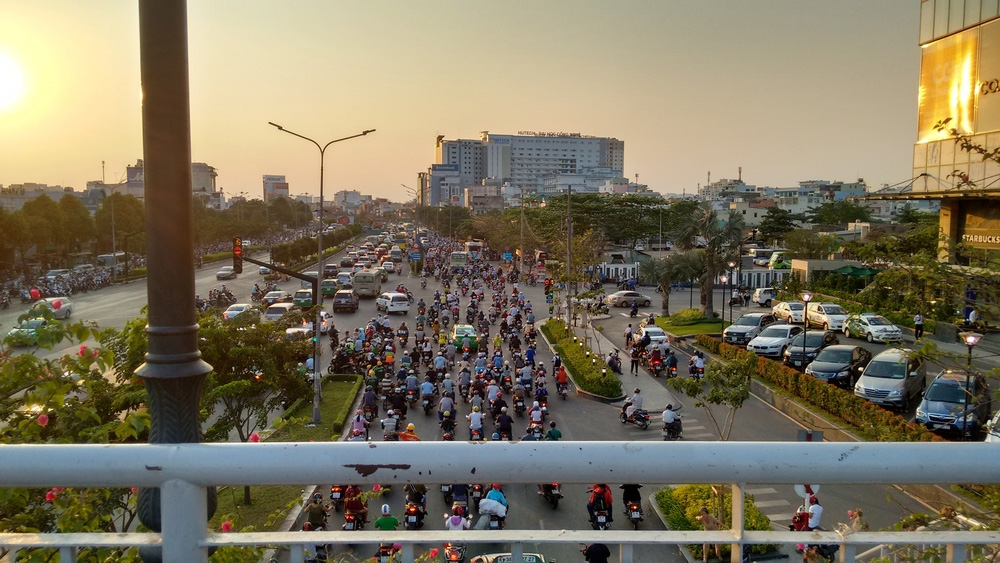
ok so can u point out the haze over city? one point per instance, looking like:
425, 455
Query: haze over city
787, 90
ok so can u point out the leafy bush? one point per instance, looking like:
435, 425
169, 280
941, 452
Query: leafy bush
586, 373
682, 504
871, 420
344, 411
687, 317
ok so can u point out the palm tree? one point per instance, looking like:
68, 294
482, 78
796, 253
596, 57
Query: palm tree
720, 238
663, 273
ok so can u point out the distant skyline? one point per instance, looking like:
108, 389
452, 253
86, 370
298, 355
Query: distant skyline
786, 89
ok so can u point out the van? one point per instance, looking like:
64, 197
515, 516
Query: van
761, 256
308, 285
893, 379
367, 283
83, 268
778, 261
393, 302
274, 312
396, 255
763, 296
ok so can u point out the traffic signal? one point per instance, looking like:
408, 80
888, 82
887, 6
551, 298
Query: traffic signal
238, 255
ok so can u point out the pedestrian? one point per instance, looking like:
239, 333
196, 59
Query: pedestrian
553, 434
815, 512
596, 553
918, 326
628, 335
709, 522
746, 297
634, 368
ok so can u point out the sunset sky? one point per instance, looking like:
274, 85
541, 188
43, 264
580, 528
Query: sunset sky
788, 89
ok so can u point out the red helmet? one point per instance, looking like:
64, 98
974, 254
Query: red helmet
499, 394
496, 486
457, 510
357, 432
598, 489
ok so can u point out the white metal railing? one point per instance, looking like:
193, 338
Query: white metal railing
182, 472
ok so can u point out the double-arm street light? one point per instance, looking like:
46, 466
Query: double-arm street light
806, 298
970, 339
317, 371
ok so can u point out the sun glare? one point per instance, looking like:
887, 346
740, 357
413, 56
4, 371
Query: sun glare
11, 81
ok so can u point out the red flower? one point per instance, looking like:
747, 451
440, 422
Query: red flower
135, 490
255, 437
376, 487
50, 496
43, 419
433, 552
227, 526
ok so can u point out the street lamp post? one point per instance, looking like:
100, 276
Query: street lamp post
725, 287
732, 279
317, 371
806, 297
970, 339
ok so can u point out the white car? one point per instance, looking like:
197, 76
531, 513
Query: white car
393, 302
263, 270
828, 316
773, 340
389, 266
61, 307
236, 309
747, 327
789, 311
656, 335
872, 327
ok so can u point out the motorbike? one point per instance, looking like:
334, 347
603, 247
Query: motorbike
672, 432
536, 430
697, 372
656, 366
476, 493
496, 523
447, 492
463, 390
352, 522
634, 512
386, 553
423, 283
369, 413
563, 389
337, 497
640, 417
634, 312
551, 494
672, 372
411, 397
454, 551
600, 521
426, 405
414, 516
519, 407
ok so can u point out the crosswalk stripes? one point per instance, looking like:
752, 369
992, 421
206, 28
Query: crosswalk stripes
771, 504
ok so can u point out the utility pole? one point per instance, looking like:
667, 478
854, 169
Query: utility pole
521, 245
569, 252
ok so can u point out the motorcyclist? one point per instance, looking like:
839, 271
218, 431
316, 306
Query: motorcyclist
670, 361
398, 402
456, 522
446, 405
499, 404
410, 434
671, 419
427, 389
359, 423
562, 378
475, 421
600, 499
536, 416
370, 399
541, 393
353, 502
411, 381
505, 423
633, 403
630, 493
316, 512
390, 424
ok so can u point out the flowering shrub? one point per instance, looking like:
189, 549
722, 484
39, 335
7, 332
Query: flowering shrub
586, 373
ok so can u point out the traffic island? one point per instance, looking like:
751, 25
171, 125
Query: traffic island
587, 369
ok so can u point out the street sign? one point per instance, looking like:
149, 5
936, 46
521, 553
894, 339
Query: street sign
507, 256
414, 256
506, 248
806, 491
548, 298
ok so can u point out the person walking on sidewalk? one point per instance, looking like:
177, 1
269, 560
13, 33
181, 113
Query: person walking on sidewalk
918, 326
634, 354
709, 522
628, 335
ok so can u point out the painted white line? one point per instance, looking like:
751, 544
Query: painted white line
703, 437
766, 503
782, 516
762, 491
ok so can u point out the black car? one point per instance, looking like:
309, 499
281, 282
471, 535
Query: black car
345, 300
330, 270
840, 364
346, 262
814, 342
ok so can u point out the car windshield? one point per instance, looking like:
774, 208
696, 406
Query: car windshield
813, 339
945, 393
886, 369
654, 332
774, 332
747, 321
834, 310
31, 324
878, 321
833, 355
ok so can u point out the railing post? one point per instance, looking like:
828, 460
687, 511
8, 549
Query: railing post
406, 553
626, 553
517, 551
184, 519
67, 554
848, 553
736, 555
955, 553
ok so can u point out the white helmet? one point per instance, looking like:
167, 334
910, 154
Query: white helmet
386, 510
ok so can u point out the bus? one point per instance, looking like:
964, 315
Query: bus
474, 248
111, 260
367, 283
458, 260
540, 257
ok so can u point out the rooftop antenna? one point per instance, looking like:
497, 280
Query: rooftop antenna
741, 175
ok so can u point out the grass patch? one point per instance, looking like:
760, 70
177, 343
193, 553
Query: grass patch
704, 327
270, 504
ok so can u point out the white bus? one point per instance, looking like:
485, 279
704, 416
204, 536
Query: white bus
367, 283
474, 248
458, 260
111, 260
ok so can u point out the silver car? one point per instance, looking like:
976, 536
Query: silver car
61, 307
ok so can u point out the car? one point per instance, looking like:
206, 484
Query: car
507, 558
26, 333
893, 378
993, 429
357, 267
278, 296
263, 270
226, 273
61, 307
345, 280
773, 340
393, 302
625, 298
346, 262
277, 310
828, 316
328, 287
763, 296
51, 275
345, 300
747, 327
303, 298
459, 332
330, 270
808, 344
955, 403
389, 266
298, 333
656, 335
840, 364
236, 309
789, 311
872, 327
382, 273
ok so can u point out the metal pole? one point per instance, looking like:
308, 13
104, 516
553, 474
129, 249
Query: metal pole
173, 371
569, 252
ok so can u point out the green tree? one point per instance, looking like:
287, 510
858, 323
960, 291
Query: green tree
725, 384
666, 271
721, 238
43, 217
775, 224
77, 222
129, 217
837, 213
804, 244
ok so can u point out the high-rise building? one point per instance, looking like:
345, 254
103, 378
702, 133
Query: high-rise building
275, 186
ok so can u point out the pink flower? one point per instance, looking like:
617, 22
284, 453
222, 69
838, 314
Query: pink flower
255, 437
83, 350
43, 419
376, 487
50, 496
135, 490
93, 353
227, 526
433, 552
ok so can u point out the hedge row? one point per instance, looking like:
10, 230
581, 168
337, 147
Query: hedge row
871, 420
680, 505
586, 374
345, 407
